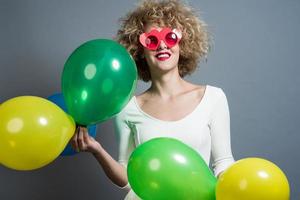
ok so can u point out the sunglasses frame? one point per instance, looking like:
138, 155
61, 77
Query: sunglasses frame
160, 36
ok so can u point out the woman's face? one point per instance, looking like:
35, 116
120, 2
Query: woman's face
163, 59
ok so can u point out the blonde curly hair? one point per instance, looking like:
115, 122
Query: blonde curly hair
195, 42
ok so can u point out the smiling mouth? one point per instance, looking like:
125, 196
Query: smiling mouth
163, 56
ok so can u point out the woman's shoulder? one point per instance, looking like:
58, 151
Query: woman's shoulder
128, 108
140, 99
210, 90
215, 94
215, 89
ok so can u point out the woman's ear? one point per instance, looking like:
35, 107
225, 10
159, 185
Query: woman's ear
142, 39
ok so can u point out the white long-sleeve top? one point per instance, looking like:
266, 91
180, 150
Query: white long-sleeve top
206, 129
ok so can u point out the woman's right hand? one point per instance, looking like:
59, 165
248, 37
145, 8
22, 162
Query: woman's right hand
82, 141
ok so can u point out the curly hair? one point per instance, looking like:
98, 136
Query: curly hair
195, 42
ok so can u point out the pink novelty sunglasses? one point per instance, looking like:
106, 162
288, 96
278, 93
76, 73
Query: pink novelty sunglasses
152, 39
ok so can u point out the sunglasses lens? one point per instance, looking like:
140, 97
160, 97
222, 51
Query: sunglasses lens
151, 42
171, 38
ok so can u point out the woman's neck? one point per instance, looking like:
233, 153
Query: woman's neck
167, 86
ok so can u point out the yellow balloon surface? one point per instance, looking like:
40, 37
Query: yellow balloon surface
253, 179
33, 132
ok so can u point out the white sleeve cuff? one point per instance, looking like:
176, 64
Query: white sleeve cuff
126, 187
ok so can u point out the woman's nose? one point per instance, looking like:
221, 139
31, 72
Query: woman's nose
162, 45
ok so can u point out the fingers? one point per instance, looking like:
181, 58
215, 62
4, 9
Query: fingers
86, 137
80, 140
73, 142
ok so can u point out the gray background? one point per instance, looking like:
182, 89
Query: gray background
255, 59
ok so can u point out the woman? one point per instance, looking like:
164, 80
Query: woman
167, 40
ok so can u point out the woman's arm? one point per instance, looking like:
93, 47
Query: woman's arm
220, 133
116, 172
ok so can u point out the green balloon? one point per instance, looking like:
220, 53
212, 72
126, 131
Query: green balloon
98, 80
165, 168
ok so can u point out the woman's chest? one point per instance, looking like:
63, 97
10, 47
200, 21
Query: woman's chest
172, 110
192, 132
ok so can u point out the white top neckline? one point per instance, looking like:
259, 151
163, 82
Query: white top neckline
175, 121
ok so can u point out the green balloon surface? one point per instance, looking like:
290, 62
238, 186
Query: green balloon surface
165, 168
98, 80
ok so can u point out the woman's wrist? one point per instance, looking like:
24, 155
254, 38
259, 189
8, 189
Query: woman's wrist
98, 150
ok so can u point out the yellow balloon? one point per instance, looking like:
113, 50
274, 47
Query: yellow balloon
33, 132
253, 179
